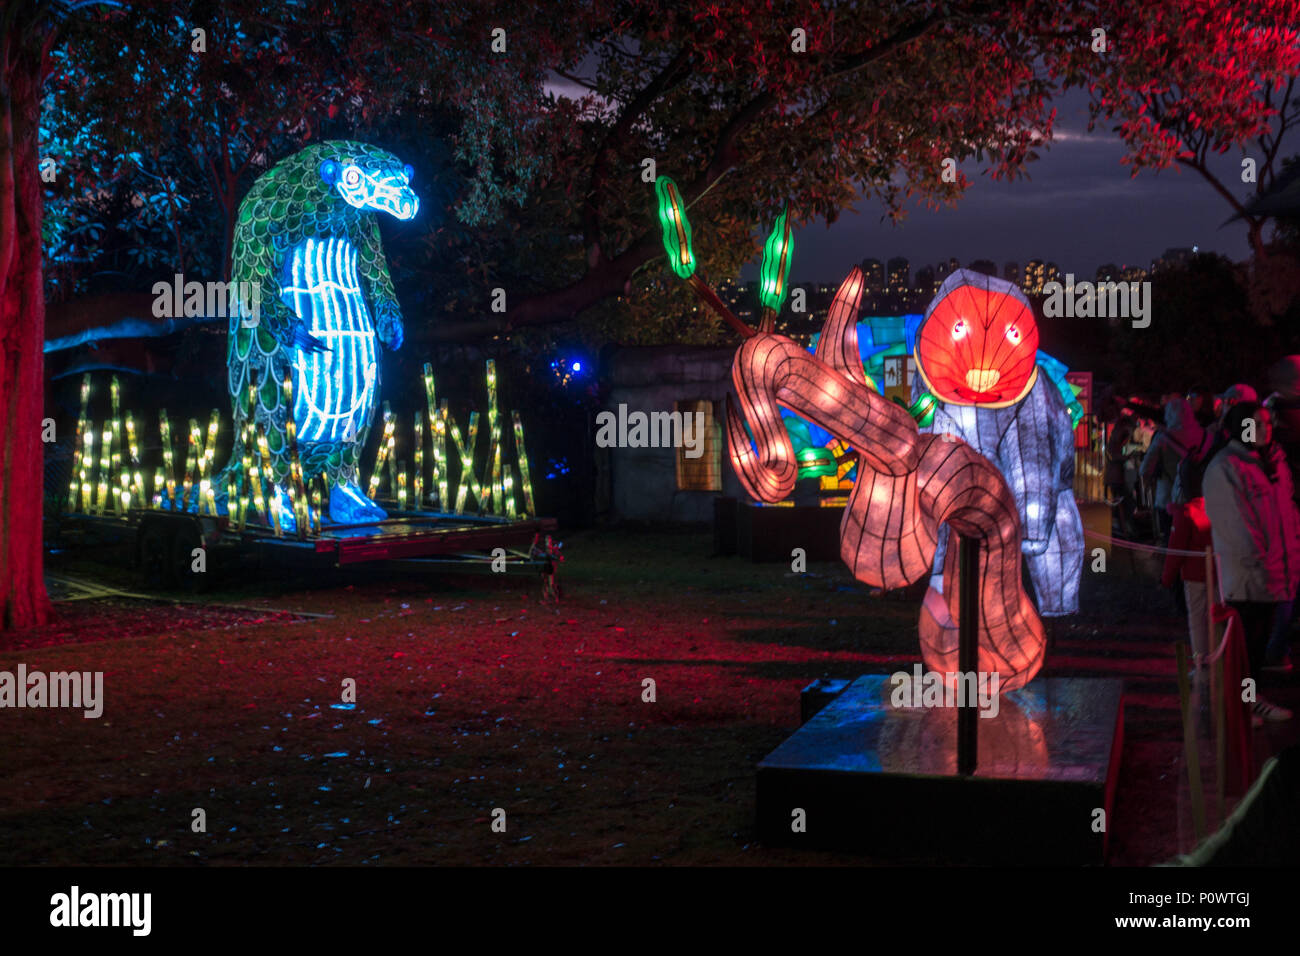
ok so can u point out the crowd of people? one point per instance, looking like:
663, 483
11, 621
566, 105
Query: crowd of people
1219, 473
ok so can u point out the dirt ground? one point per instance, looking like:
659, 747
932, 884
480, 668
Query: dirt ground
472, 695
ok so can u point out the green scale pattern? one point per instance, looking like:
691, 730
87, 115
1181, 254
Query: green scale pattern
288, 204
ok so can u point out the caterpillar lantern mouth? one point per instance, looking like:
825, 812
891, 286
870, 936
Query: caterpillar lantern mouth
982, 379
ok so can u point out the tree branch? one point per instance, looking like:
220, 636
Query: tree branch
616, 136
605, 277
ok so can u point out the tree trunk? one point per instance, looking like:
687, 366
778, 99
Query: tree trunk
23, 601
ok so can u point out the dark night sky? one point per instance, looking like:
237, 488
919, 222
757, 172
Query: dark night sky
1080, 209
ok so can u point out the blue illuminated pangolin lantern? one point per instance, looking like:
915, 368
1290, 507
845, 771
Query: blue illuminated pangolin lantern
977, 354
307, 230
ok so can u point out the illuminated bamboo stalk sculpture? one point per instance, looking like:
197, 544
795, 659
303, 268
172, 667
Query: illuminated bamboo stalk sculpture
169, 465
250, 483
440, 457
234, 506
105, 459
521, 456
88, 475
468, 482
385, 449
136, 486
323, 481
115, 482
479, 492
508, 490
437, 436
297, 491
193, 451
78, 462
492, 467
390, 439
417, 479
401, 486
268, 479
314, 494
159, 486
208, 498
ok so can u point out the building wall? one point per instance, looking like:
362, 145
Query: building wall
643, 481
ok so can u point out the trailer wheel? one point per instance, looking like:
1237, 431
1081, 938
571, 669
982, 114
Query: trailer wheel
155, 556
183, 559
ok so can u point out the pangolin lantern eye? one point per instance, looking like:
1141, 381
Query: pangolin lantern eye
351, 175
1013, 335
960, 329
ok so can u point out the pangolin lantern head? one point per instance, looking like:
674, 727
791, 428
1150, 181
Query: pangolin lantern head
978, 344
369, 178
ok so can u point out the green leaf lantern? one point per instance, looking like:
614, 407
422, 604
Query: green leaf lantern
677, 228
815, 462
923, 409
773, 286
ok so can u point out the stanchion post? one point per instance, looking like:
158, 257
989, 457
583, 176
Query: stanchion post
1215, 667
968, 651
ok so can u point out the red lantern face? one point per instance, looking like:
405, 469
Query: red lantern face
979, 343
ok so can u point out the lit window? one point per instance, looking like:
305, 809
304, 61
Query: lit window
703, 473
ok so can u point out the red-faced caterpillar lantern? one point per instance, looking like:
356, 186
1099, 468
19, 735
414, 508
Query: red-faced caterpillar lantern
978, 344
908, 485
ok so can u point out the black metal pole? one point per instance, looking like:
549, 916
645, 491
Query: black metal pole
968, 562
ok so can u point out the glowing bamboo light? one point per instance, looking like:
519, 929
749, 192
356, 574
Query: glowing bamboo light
484, 490
252, 479
508, 490
492, 467
401, 486
297, 491
169, 466
115, 476
468, 483
268, 479
440, 457
417, 480
116, 485
237, 501
133, 448
209, 499
385, 449
323, 481
314, 493
78, 462
437, 436
159, 486
105, 459
88, 483
390, 439
521, 456
193, 449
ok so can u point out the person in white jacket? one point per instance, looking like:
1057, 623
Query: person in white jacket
1256, 529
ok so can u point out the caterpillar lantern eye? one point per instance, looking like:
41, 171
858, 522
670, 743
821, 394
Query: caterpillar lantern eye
1013, 335
960, 329
351, 176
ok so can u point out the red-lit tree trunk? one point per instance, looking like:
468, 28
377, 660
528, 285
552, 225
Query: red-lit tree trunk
23, 601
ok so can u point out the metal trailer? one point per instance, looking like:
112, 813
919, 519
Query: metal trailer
163, 544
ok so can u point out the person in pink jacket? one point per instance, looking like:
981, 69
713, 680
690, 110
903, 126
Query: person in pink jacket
1256, 530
